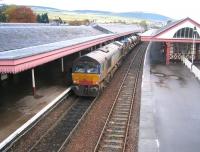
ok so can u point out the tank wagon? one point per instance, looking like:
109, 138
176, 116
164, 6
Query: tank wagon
91, 71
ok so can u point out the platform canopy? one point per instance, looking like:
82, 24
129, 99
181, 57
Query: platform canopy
184, 30
26, 46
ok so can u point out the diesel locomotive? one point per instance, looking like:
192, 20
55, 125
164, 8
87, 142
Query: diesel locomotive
91, 71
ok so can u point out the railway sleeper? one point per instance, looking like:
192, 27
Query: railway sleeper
115, 131
125, 96
111, 148
113, 141
117, 123
120, 115
122, 108
119, 119
116, 127
124, 104
124, 101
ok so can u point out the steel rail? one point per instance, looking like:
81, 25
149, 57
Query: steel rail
115, 101
15, 136
69, 122
132, 103
77, 125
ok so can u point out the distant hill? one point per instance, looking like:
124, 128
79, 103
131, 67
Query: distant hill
138, 15
134, 15
145, 16
42, 8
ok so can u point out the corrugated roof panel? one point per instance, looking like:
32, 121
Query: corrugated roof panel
120, 28
169, 25
150, 32
17, 36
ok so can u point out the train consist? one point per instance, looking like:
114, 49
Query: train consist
91, 71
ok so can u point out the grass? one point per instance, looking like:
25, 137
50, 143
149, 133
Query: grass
71, 16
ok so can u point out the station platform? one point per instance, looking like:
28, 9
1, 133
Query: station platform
169, 114
16, 110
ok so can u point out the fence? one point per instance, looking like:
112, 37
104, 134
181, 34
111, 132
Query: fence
190, 66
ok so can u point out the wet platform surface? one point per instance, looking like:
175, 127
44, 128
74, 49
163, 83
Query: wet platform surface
176, 108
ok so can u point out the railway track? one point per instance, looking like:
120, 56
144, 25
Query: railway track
114, 134
60, 133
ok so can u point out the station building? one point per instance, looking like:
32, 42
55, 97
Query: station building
178, 38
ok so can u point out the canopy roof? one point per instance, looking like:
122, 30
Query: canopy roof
25, 46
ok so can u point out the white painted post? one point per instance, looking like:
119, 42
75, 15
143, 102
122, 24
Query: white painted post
33, 81
193, 45
62, 64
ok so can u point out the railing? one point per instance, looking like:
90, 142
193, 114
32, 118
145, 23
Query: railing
178, 56
190, 66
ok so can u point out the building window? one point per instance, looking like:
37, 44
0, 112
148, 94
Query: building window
186, 33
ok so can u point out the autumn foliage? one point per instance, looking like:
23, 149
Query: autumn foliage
22, 15
16, 14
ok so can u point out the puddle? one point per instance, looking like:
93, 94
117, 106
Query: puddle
159, 74
174, 77
162, 84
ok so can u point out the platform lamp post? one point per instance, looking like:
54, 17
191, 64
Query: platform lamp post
193, 44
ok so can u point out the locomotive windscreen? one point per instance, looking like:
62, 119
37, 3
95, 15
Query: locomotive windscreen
86, 67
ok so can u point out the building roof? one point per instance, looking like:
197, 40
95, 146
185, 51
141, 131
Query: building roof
120, 28
44, 48
21, 36
166, 33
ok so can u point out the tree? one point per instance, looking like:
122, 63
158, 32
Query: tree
3, 17
38, 18
46, 18
43, 18
144, 24
21, 14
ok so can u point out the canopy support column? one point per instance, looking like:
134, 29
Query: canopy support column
33, 82
197, 52
62, 64
79, 53
167, 52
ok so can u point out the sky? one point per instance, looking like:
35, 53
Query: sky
176, 9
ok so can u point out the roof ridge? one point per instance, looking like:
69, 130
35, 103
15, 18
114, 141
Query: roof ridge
173, 24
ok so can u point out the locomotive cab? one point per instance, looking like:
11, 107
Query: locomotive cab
86, 77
